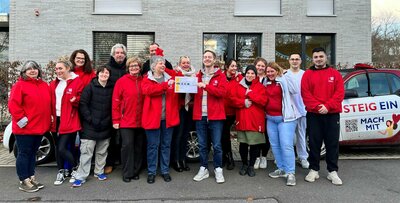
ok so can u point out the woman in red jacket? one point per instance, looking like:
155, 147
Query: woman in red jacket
127, 106
249, 96
31, 116
160, 114
82, 66
66, 90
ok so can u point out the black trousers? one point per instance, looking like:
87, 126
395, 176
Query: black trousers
323, 128
244, 152
226, 135
264, 147
114, 149
64, 147
132, 151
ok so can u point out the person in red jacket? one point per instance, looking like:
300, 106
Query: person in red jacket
209, 114
127, 106
82, 66
29, 104
160, 115
322, 90
66, 90
249, 96
233, 77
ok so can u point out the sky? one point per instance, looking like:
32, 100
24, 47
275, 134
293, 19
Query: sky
4, 6
379, 7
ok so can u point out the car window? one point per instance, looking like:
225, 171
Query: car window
394, 81
379, 84
359, 83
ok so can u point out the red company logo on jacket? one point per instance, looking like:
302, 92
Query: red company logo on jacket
331, 79
215, 83
69, 91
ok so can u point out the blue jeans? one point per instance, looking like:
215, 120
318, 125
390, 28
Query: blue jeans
214, 129
27, 145
155, 138
281, 136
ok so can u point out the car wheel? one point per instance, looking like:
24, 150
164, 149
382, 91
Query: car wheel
45, 152
323, 149
193, 154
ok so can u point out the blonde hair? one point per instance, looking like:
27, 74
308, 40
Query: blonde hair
276, 67
132, 60
65, 60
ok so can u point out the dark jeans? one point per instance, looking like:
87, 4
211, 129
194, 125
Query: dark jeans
205, 127
132, 151
181, 134
27, 145
114, 149
226, 135
323, 128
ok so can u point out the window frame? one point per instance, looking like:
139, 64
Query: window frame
259, 14
138, 12
333, 14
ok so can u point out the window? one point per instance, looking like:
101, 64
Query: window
394, 82
320, 7
136, 43
117, 6
358, 83
379, 84
285, 44
242, 47
257, 8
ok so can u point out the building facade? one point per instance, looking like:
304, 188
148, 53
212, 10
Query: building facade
241, 29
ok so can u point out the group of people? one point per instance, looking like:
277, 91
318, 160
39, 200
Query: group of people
128, 111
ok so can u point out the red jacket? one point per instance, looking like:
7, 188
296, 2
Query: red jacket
152, 106
84, 77
216, 91
252, 118
322, 86
229, 108
69, 118
30, 98
127, 102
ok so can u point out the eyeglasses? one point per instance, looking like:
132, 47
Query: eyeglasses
133, 65
79, 58
297, 59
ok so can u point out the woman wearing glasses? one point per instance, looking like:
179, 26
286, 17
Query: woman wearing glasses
82, 66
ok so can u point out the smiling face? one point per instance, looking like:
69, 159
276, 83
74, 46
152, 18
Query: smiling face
319, 59
134, 68
295, 61
232, 68
250, 75
152, 49
260, 66
119, 55
159, 68
208, 60
271, 73
104, 75
185, 63
79, 60
32, 73
62, 71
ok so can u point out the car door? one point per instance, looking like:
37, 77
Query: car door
364, 118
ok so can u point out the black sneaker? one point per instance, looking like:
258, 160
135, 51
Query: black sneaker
250, 171
27, 186
167, 177
243, 170
151, 179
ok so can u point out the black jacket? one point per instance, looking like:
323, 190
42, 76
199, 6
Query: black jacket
117, 70
95, 110
146, 66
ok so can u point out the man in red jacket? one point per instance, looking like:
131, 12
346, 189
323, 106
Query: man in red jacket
322, 90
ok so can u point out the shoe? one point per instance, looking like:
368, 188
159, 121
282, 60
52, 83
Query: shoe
78, 183
101, 176
263, 162
167, 177
219, 175
184, 165
125, 179
230, 163
73, 176
151, 179
333, 176
202, 174
291, 180
243, 170
250, 171
257, 163
67, 173
60, 177
177, 166
35, 182
312, 176
27, 186
135, 177
304, 163
278, 173
108, 169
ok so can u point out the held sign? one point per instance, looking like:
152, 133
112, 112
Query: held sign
185, 84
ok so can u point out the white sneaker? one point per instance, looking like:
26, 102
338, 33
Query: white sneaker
291, 180
278, 173
263, 163
73, 176
219, 175
312, 176
257, 163
60, 178
333, 176
202, 174
304, 163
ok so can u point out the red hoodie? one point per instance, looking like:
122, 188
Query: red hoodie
252, 118
30, 98
127, 102
322, 86
69, 118
84, 77
216, 91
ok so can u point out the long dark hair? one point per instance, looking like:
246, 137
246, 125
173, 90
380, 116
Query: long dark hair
87, 66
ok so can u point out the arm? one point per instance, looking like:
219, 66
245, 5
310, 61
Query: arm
79, 89
151, 88
258, 97
220, 90
116, 103
306, 93
293, 87
15, 102
335, 102
85, 99
234, 97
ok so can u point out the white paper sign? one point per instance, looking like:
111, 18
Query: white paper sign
185, 85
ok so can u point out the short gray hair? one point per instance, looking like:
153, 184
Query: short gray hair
154, 60
116, 46
30, 64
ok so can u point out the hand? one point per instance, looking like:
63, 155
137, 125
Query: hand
248, 90
322, 109
247, 103
52, 119
116, 126
201, 85
72, 99
171, 82
23, 122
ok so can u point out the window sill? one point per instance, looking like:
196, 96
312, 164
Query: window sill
96, 13
249, 15
309, 15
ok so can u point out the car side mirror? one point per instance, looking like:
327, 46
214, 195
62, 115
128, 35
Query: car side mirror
350, 93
